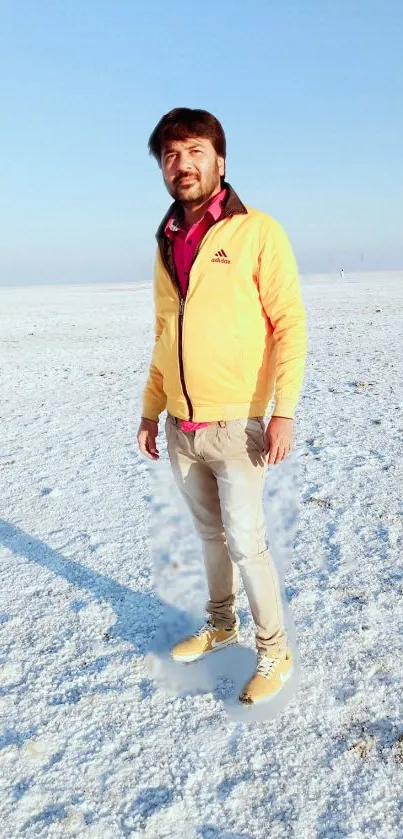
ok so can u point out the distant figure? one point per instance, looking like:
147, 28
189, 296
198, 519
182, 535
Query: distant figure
226, 293
342, 273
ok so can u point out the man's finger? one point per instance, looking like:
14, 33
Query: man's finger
147, 446
153, 451
272, 454
281, 453
152, 448
142, 440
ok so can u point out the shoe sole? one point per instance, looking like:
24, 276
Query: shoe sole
187, 659
264, 699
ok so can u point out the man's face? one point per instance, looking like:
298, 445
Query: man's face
191, 169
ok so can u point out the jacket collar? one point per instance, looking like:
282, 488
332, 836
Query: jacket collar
232, 206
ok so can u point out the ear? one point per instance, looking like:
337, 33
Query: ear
221, 166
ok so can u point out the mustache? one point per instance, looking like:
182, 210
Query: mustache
183, 177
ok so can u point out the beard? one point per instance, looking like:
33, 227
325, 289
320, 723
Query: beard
197, 191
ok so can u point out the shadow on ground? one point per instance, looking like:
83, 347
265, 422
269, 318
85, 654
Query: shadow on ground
209, 831
137, 613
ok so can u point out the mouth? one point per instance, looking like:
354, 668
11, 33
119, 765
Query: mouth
186, 181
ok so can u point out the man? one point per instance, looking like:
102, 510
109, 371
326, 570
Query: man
230, 329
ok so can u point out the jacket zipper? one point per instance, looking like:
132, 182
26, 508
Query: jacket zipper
182, 301
236, 207
180, 351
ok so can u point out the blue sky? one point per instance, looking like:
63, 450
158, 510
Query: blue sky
310, 95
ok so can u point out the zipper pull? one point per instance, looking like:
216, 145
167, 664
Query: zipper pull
181, 306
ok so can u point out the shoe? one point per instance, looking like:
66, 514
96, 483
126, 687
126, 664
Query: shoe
268, 678
208, 639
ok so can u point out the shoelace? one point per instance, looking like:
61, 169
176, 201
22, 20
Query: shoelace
265, 665
207, 629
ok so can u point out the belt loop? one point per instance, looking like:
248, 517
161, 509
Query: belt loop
222, 424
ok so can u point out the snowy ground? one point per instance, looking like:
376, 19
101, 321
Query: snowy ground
100, 739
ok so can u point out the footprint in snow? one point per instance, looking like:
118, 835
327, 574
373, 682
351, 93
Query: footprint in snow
49, 491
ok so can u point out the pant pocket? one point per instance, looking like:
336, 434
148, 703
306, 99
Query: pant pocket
248, 431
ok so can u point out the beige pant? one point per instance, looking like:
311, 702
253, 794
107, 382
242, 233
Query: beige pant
220, 470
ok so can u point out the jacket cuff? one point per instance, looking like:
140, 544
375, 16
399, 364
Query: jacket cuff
284, 408
149, 413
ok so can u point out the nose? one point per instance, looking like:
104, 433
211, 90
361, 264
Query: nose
184, 163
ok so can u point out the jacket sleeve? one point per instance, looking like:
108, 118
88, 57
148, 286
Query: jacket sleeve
154, 398
281, 298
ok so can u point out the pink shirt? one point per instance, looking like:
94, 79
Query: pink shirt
184, 244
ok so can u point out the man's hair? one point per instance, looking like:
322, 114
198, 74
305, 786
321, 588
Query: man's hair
182, 123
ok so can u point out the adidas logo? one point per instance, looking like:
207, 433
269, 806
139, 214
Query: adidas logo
221, 256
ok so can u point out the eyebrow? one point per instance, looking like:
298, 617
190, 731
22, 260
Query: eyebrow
191, 145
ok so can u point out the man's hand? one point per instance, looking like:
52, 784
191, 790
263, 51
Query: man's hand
278, 439
146, 437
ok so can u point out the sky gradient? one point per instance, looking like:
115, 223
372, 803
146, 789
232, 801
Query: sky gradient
310, 95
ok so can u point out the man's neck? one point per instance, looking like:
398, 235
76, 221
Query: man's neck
196, 212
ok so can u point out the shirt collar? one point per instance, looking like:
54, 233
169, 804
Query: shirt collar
214, 209
233, 206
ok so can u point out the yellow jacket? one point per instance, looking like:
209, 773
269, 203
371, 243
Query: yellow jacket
239, 336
